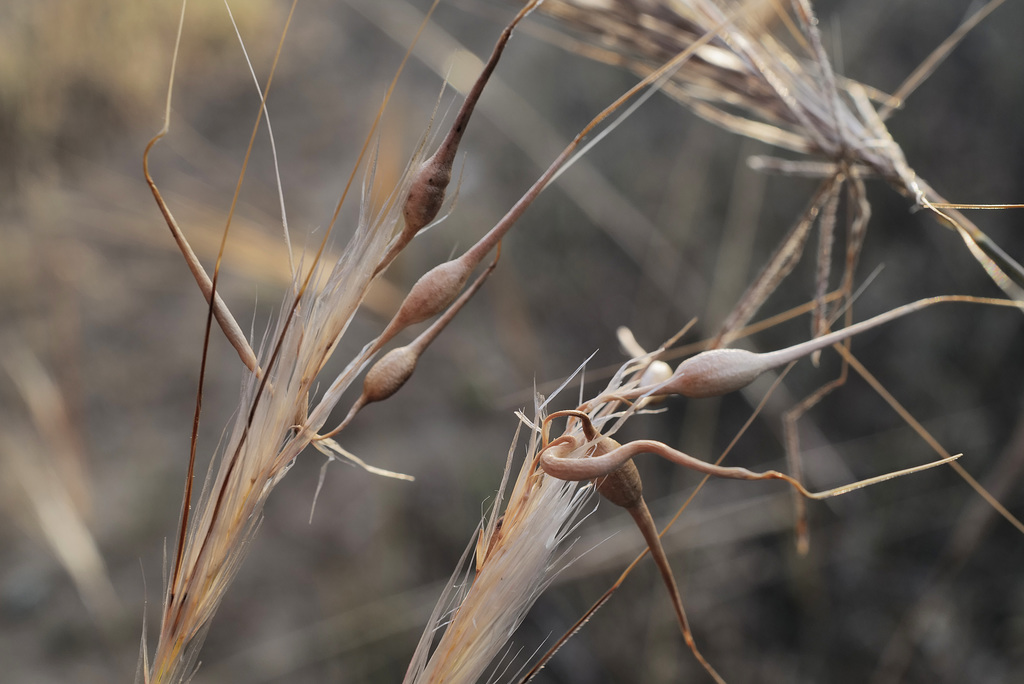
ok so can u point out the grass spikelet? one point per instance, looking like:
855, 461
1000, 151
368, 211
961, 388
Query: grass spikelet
267, 436
516, 549
517, 555
274, 424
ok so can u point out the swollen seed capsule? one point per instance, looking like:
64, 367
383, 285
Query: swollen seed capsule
715, 372
622, 486
389, 374
426, 194
432, 293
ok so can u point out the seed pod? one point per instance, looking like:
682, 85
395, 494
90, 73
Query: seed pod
382, 380
715, 372
622, 486
432, 293
720, 371
426, 194
389, 373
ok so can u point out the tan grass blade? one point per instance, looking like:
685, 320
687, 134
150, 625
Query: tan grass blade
52, 481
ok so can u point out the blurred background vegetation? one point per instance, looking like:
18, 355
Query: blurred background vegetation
101, 333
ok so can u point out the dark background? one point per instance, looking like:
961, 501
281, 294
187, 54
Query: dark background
92, 289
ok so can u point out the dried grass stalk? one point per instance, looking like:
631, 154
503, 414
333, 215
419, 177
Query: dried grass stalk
273, 425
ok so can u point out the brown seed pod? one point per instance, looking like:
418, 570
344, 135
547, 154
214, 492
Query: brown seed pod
389, 373
426, 194
432, 293
622, 486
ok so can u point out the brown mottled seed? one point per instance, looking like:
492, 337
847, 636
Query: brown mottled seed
430, 183
389, 373
621, 485
428, 189
426, 194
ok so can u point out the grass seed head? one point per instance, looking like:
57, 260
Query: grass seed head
519, 564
